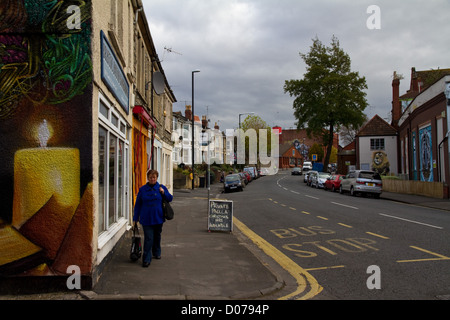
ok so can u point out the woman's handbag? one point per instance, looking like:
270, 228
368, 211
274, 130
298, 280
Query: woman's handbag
136, 246
167, 208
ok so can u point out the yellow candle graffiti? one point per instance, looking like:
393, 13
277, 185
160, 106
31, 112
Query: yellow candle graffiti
40, 173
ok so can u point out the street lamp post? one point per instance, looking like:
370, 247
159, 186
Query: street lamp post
193, 113
241, 114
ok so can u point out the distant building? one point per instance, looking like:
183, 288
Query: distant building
182, 129
291, 139
376, 147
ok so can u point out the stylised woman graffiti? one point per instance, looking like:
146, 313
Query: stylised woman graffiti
425, 144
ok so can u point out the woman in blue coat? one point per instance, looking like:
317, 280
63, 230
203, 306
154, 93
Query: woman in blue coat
148, 212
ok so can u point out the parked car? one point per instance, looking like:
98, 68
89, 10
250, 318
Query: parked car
247, 176
363, 182
296, 171
264, 171
312, 176
233, 182
333, 183
253, 172
319, 180
306, 176
244, 178
307, 165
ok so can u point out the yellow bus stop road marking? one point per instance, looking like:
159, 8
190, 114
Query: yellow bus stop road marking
377, 235
324, 268
439, 256
303, 278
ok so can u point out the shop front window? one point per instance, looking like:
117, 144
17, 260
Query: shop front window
102, 134
113, 168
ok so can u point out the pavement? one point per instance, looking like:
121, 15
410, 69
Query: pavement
196, 264
422, 201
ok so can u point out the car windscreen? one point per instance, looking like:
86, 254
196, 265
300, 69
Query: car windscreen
231, 178
369, 175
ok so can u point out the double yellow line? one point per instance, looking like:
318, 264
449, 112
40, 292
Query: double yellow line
307, 285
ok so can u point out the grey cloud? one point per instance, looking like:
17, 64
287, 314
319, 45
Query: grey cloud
246, 49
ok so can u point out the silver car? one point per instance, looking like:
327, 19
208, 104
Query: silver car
319, 180
312, 177
363, 182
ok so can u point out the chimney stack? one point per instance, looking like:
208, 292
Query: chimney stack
188, 113
396, 105
414, 81
204, 122
216, 126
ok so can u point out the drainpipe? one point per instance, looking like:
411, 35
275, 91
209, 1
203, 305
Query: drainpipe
439, 157
447, 95
137, 14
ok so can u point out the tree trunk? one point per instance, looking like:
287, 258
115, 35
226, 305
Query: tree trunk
329, 148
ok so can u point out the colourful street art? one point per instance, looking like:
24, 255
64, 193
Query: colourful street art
380, 163
425, 154
46, 196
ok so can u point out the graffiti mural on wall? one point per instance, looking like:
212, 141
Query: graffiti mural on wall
46, 202
380, 162
425, 154
302, 148
50, 66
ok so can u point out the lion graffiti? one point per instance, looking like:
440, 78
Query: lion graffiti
380, 162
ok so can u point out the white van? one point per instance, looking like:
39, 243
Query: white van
307, 165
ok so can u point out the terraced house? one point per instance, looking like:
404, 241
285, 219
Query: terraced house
85, 111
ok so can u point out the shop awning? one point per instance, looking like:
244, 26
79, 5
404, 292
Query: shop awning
139, 110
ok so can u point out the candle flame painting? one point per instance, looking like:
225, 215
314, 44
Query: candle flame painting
47, 199
43, 134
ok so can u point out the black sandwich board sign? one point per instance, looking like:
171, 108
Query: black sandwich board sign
220, 215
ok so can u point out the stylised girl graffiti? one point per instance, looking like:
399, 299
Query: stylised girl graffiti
426, 156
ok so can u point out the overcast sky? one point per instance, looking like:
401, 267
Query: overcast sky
246, 49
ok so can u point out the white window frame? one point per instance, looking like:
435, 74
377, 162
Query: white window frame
121, 135
376, 145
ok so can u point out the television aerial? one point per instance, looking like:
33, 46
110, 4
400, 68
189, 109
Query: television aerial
169, 50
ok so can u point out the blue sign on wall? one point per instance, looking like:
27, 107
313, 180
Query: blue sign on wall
113, 75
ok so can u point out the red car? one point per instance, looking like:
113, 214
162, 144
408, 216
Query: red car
333, 182
247, 176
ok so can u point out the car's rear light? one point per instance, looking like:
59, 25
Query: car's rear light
360, 182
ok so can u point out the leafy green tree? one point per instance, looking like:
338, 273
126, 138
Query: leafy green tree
256, 122
330, 95
316, 149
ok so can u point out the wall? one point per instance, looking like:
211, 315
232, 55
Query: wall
46, 198
382, 159
421, 122
113, 29
421, 188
